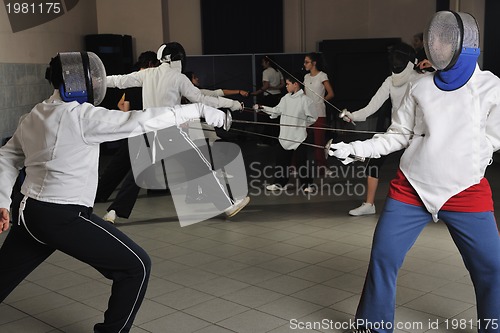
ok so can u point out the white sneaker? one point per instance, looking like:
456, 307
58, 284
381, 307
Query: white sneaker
274, 187
237, 206
329, 173
364, 209
277, 187
309, 189
110, 216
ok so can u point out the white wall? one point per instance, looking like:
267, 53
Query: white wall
185, 24
39, 44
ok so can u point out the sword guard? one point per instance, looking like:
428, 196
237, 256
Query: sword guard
328, 152
343, 115
228, 121
327, 148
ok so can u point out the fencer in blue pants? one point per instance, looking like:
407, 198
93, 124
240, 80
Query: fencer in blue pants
477, 238
447, 124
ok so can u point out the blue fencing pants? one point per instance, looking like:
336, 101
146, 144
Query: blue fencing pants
477, 238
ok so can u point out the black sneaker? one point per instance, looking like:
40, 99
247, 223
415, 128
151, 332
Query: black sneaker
154, 193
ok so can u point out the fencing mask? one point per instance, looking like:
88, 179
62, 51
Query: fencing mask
451, 42
172, 51
400, 55
79, 76
402, 58
447, 35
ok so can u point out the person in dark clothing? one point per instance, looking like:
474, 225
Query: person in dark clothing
119, 169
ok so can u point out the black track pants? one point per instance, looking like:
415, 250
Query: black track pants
77, 232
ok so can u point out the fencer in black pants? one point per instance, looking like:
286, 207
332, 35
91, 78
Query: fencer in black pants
58, 144
45, 227
125, 199
114, 173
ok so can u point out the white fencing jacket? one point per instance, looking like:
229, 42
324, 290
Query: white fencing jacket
165, 85
58, 143
296, 109
449, 136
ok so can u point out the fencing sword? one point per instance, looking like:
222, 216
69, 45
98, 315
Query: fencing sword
302, 126
235, 121
326, 148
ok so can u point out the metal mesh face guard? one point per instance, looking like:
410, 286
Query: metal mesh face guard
84, 77
445, 36
471, 31
74, 77
98, 75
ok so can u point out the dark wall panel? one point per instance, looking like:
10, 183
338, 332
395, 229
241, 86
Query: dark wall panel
115, 51
442, 5
491, 39
231, 28
116, 54
357, 68
223, 71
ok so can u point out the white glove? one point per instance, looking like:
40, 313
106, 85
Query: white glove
213, 116
257, 107
236, 106
346, 116
342, 151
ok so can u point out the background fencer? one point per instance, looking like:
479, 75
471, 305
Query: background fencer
58, 143
448, 122
165, 85
402, 59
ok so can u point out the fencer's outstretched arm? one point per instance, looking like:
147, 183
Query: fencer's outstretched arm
224, 92
134, 79
100, 125
396, 137
273, 112
195, 95
307, 106
382, 94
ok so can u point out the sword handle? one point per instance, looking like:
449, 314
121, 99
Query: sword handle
329, 152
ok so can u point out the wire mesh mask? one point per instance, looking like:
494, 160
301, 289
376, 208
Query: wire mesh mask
447, 34
84, 77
